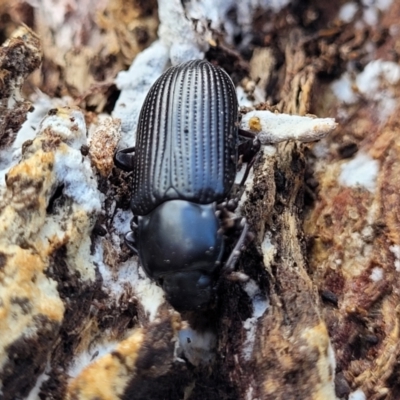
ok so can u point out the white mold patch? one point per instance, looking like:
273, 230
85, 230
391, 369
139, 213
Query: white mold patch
275, 128
122, 221
331, 357
260, 306
134, 85
90, 355
357, 395
343, 89
347, 12
376, 274
130, 277
395, 249
362, 170
12, 155
372, 8
72, 169
374, 83
268, 249
198, 347
34, 393
243, 98
370, 79
185, 33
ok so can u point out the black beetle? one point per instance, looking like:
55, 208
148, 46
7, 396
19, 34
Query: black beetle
184, 165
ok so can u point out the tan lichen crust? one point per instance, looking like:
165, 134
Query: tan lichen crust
292, 356
312, 309
32, 229
355, 222
355, 256
103, 143
290, 339
19, 56
107, 377
146, 353
87, 43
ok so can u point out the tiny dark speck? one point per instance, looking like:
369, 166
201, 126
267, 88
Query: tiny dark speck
372, 339
72, 119
347, 150
99, 230
3, 260
141, 34
342, 388
53, 111
188, 340
329, 297
84, 150
31, 109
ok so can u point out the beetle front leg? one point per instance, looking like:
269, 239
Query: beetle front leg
124, 159
130, 239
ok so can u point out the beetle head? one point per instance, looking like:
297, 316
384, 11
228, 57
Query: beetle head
180, 246
188, 290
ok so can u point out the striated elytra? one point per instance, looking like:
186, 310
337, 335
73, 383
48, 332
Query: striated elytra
184, 164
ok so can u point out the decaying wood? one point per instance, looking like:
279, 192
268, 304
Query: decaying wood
311, 311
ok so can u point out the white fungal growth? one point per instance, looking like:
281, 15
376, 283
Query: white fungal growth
122, 220
134, 85
275, 128
185, 33
89, 355
34, 393
357, 395
178, 31
260, 305
242, 98
370, 79
73, 170
361, 170
347, 12
395, 249
376, 274
129, 278
343, 89
371, 9
12, 155
374, 83
268, 249
198, 347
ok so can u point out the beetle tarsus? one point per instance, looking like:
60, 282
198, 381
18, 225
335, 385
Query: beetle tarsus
236, 276
131, 242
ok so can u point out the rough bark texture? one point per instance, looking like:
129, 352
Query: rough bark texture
311, 311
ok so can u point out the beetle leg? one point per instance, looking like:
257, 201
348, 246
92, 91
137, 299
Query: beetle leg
246, 173
248, 151
130, 241
134, 223
246, 134
228, 218
123, 159
232, 204
230, 263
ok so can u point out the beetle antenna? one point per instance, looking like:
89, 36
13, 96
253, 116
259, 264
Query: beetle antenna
230, 264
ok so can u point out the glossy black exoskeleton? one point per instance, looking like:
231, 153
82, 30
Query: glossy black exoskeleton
184, 165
